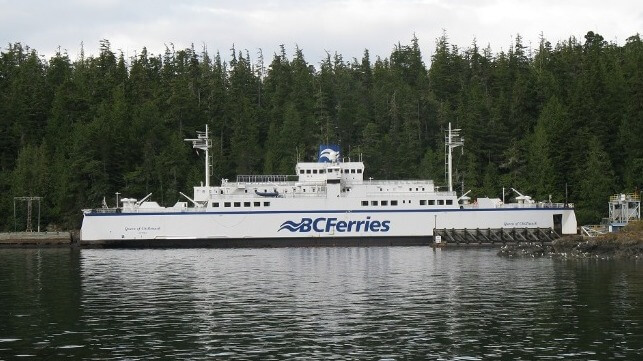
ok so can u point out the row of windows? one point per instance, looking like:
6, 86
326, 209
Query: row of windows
417, 189
423, 202
313, 171
323, 171
238, 204
439, 202
383, 203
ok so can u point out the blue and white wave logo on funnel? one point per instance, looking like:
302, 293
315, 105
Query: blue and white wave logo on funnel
328, 153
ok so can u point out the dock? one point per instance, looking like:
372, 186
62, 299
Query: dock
35, 239
494, 236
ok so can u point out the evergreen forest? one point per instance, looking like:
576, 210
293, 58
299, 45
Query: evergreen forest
563, 121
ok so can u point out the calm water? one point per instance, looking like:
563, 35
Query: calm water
316, 303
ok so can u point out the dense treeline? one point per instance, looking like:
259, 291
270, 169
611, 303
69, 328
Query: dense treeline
568, 116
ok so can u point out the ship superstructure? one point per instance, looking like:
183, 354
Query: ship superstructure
324, 202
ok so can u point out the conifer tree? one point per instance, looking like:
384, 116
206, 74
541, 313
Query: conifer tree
595, 182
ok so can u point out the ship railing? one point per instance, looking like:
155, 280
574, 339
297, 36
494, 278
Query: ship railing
101, 210
265, 178
626, 197
526, 205
416, 194
251, 196
397, 182
537, 205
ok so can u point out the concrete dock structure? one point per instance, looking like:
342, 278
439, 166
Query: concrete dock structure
35, 239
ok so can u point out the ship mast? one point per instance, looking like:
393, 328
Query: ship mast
452, 141
204, 143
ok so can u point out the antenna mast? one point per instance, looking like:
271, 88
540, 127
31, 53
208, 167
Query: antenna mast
452, 141
204, 143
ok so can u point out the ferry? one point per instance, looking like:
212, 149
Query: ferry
327, 202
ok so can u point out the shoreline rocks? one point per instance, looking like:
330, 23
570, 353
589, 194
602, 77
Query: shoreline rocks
626, 244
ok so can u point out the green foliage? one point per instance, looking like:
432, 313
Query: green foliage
568, 116
540, 168
595, 181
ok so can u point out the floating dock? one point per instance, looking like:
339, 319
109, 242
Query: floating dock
35, 239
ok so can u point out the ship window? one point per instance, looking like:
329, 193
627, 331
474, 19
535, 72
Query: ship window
417, 189
301, 171
314, 171
403, 202
215, 204
449, 202
431, 202
226, 204
246, 191
322, 171
384, 203
266, 204
422, 189
345, 170
246, 204
373, 203
307, 171
359, 171
440, 202
257, 204
237, 204
423, 202
394, 203
365, 203
410, 189
352, 170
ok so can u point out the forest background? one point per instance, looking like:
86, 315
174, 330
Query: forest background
564, 121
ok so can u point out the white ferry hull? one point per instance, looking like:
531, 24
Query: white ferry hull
330, 202
223, 227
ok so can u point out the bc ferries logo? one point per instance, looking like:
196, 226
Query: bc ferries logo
323, 224
328, 153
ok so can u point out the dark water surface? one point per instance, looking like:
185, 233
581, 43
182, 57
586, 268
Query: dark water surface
376, 303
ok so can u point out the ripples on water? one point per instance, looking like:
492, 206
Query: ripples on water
316, 303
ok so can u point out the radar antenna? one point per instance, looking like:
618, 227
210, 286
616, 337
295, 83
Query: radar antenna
204, 143
452, 141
